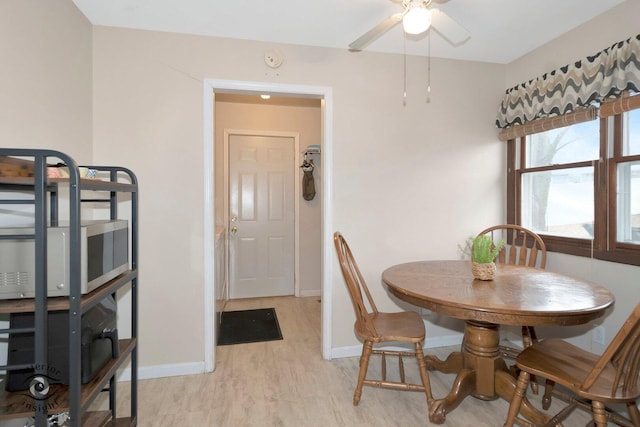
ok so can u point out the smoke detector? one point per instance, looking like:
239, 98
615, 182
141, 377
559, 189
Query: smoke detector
273, 58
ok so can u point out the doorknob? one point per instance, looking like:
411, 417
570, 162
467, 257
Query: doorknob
234, 230
234, 218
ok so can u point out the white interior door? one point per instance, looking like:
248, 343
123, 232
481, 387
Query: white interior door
261, 214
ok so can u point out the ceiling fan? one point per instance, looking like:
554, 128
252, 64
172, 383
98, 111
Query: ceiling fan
417, 17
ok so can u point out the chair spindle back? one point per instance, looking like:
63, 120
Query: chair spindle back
356, 286
624, 355
522, 246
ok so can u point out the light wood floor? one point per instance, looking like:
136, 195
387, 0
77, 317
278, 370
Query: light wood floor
287, 383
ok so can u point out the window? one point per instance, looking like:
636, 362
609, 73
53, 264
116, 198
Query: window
578, 186
626, 160
557, 180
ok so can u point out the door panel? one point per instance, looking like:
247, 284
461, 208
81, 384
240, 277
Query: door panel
248, 195
261, 196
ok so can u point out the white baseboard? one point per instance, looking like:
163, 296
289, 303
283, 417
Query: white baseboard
350, 351
435, 342
446, 341
161, 371
194, 368
312, 293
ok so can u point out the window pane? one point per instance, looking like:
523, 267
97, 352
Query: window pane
559, 202
569, 144
632, 133
628, 195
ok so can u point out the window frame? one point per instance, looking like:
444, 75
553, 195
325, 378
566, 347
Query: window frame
604, 244
622, 249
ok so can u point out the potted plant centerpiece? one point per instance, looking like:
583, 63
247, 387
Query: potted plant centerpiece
483, 254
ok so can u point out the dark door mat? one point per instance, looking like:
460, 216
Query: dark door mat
245, 326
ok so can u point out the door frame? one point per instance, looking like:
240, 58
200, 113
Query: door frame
325, 94
296, 193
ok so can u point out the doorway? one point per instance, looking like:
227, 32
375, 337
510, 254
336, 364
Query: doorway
213, 197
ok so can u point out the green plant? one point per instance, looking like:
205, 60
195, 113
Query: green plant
484, 250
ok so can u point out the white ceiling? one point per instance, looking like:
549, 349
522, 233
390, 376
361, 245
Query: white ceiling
501, 30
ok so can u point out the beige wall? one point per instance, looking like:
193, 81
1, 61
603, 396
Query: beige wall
237, 113
46, 77
618, 24
45, 83
408, 182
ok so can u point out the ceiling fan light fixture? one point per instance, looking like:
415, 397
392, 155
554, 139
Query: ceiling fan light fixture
417, 20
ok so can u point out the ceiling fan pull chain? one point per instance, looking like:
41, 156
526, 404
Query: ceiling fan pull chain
404, 47
429, 66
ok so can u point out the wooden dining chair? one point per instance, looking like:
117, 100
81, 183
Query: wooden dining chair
599, 379
522, 247
374, 327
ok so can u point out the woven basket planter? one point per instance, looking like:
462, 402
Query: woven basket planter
484, 271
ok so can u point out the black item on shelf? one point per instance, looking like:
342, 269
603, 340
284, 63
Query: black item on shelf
99, 345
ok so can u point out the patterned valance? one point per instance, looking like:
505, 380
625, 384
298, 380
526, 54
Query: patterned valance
609, 73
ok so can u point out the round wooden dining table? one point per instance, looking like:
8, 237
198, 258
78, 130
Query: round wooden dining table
517, 295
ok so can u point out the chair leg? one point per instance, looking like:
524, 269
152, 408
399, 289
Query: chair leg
436, 415
548, 390
634, 414
424, 375
599, 413
516, 401
367, 347
528, 338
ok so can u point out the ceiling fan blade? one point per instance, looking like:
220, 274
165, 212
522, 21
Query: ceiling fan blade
455, 33
375, 32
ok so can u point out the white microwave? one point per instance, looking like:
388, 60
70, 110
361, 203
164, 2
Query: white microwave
104, 254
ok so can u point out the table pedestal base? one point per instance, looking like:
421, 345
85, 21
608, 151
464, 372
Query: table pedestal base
481, 373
